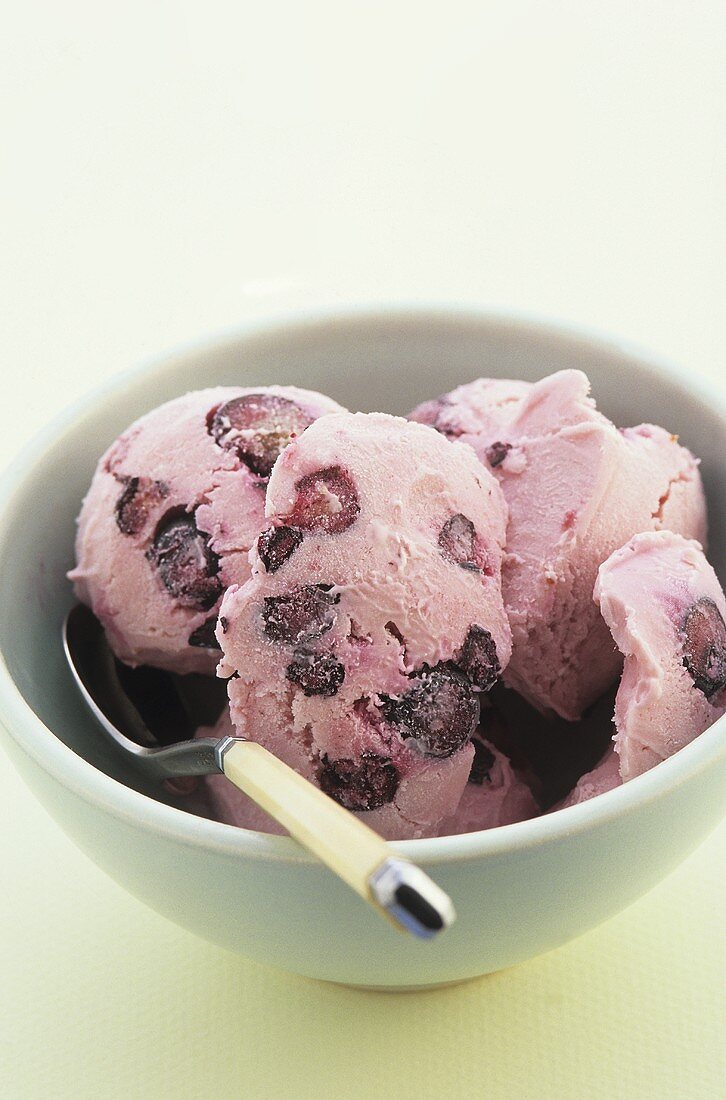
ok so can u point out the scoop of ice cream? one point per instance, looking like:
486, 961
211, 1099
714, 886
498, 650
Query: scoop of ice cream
605, 776
494, 794
666, 609
373, 617
576, 488
174, 507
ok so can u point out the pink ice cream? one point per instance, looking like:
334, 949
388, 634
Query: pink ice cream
666, 609
174, 507
373, 616
494, 794
577, 488
605, 776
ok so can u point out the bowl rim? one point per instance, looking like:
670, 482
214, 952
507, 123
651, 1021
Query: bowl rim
111, 796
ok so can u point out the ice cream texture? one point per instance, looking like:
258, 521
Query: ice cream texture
174, 507
577, 488
372, 618
665, 608
494, 794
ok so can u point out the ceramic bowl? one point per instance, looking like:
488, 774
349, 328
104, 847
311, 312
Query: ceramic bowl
518, 890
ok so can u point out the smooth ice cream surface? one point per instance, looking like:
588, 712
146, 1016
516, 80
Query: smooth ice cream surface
576, 489
174, 507
665, 607
372, 618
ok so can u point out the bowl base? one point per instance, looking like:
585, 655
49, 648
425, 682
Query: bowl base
405, 988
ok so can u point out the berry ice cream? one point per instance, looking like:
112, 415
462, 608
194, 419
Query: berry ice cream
666, 609
577, 488
174, 507
364, 580
373, 618
494, 794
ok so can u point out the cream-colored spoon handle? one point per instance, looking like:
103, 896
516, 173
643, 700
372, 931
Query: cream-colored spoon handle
351, 849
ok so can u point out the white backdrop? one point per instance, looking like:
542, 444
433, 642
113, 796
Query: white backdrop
170, 168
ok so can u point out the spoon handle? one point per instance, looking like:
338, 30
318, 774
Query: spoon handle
392, 885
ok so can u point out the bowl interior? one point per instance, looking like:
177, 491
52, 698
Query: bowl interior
376, 361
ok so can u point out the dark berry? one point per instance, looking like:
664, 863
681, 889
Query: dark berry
440, 415
457, 540
439, 713
478, 658
204, 637
363, 784
482, 763
304, 614
395, 632
704, 647
316, 673
188, 567
139, 496
497, 452
326, 501
276, 545
258, 426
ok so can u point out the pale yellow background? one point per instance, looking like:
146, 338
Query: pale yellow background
171, 168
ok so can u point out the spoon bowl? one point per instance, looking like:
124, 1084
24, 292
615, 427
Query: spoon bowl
130, 706
118, 706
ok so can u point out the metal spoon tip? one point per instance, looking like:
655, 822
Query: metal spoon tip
411, 898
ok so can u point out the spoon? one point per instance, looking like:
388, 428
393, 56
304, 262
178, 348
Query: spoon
141, 710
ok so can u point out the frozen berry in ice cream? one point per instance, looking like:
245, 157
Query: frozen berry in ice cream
133, 507
482, 763
276, 544
186, 564
496, 452
258, 426
325, 501
301, 615
316, 673
704, 647
439, 713
457, 540
478, 658
363, 784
